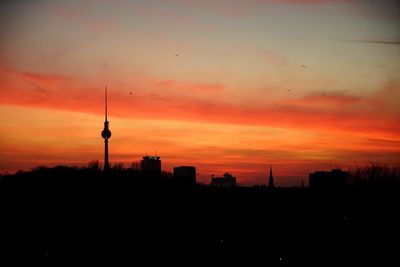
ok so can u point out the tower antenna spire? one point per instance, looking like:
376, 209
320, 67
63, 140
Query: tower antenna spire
105, 95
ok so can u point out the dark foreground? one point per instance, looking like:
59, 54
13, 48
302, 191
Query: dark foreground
119, 220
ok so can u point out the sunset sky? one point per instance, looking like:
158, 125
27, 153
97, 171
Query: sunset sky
224, 85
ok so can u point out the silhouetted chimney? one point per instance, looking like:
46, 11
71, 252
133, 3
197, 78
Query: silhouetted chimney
271, 179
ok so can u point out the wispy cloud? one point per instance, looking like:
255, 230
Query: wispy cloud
274, 57
322, 99
305, 1
183, 87
80, 15
390, 40
44, 78
39, 88
379, 42
157, 12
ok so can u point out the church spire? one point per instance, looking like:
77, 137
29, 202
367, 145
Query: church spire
271, 179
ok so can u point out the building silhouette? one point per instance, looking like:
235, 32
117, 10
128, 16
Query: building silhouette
226, 181
185, 174
151, 165
328, 180
271, 179
106, 134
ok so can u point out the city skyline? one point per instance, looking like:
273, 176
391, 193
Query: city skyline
226, 86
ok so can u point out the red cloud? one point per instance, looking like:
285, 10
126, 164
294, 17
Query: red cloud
336, 112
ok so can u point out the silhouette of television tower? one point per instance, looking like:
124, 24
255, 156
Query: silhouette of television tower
106, 134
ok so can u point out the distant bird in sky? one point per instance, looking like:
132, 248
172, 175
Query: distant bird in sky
289, 90
323, 94
303, 66
176, 55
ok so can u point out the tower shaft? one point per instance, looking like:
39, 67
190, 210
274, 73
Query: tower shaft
106, 163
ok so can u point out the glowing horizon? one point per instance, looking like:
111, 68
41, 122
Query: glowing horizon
226, 86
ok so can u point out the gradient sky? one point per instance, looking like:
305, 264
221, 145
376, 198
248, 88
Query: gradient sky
216, 84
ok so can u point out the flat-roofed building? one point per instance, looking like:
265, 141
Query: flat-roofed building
185, 174
151, 164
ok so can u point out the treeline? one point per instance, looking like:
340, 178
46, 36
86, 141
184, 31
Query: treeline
91, 173
374, 174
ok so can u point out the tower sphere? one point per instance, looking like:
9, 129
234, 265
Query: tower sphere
106, 133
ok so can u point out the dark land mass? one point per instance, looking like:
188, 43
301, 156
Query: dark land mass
67, 215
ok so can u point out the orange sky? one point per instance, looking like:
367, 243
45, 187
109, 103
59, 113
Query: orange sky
215, 85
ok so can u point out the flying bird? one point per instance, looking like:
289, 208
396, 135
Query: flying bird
303, 66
